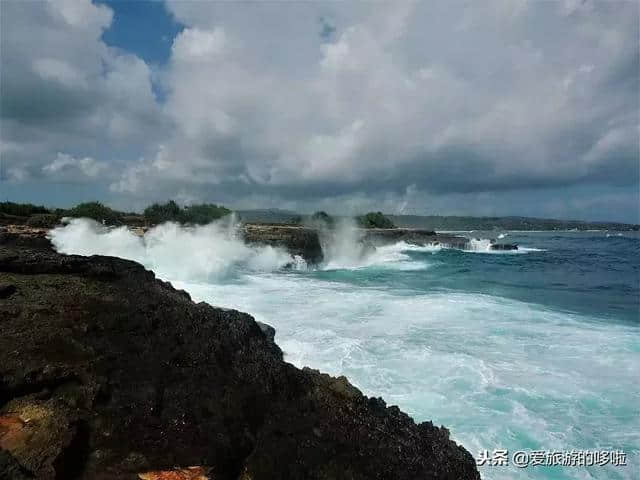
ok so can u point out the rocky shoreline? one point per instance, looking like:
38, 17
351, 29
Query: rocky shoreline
299, 240
109, 373
307, 241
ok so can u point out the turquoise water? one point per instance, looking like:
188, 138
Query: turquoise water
537, 350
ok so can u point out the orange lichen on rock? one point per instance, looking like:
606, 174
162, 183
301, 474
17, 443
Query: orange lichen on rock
189, 473
12, 431
35, 432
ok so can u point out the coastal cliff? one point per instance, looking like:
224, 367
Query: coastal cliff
109, 373
300, 241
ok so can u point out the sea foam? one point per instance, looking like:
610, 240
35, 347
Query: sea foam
200, 253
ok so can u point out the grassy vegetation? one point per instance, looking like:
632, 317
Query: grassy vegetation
374, 220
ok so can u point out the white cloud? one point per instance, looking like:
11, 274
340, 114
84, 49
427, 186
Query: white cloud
82, 14
69, 167
60, 71
193, 44
17, 174
411, 102
64, 89
131, 178
449, 98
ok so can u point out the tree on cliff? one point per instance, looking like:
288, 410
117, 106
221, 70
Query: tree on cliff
97, 211
196, 214
203, 213
167, 212
374, 220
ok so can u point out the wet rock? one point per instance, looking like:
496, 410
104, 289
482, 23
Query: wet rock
268, 330
504, 246
108, 373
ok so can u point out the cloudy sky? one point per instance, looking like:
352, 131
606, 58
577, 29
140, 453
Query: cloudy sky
497, 107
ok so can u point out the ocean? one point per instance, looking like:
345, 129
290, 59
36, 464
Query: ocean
534, 350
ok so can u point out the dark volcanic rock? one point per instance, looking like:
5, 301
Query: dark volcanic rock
107, 372
24, 236
301, 241
385, 236
6, 290
268, 331
504, 246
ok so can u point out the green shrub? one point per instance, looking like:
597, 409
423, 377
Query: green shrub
374, 220
159, 213
203, 213
96, 211
21, 209
196, 214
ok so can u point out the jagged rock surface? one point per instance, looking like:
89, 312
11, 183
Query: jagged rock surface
107, 372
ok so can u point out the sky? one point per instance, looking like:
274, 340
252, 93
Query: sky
500, 107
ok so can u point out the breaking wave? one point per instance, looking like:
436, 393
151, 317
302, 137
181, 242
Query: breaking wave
344, 249
199, 254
